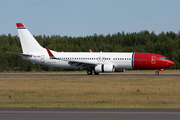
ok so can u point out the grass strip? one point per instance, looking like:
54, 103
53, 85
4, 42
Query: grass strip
90, 92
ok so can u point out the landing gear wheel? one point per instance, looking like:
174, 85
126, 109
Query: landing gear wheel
89, 72
96, 73
157, 72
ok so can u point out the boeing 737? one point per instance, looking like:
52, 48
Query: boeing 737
99, 62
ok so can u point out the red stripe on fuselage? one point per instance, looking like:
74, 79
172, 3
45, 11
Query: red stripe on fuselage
149, 61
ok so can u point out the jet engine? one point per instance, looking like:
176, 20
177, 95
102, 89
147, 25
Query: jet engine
104, 68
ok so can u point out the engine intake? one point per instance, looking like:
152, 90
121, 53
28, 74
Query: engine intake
104, 68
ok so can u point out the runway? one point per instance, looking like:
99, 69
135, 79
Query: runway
85, 75
88, 114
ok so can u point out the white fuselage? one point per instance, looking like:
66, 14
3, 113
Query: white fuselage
119, 60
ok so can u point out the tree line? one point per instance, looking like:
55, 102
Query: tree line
167, 44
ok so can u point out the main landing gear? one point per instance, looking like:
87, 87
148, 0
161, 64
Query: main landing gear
96, 73
89, 72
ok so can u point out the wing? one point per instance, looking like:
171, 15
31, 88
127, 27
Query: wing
79, 64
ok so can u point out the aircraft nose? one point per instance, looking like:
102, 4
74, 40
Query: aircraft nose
170, 63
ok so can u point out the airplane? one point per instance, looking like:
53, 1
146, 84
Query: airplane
99, 62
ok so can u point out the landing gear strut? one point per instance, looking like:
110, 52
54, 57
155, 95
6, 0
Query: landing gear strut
157, 72
89, 72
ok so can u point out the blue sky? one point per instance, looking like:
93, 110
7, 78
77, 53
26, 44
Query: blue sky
85, 17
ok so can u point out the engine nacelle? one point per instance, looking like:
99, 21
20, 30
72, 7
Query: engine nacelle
104, 68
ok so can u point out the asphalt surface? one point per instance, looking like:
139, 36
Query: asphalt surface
88, 114
85, 75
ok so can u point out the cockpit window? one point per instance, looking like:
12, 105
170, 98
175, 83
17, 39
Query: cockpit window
164, 58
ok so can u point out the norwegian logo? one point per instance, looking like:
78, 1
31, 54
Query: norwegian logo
153, 60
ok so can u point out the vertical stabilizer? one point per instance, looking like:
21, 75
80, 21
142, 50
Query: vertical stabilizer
28, 42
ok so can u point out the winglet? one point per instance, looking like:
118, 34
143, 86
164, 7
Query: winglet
90, 50
50, 54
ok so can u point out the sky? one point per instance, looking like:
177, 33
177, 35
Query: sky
79, 18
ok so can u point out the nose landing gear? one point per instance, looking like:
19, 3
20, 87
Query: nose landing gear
157, 72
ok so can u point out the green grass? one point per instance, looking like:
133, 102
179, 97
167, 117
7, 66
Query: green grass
90, 92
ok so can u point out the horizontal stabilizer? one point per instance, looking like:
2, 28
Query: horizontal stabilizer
21, 54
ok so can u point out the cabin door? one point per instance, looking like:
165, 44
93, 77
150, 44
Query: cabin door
42, 58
